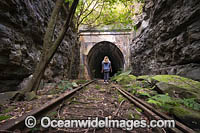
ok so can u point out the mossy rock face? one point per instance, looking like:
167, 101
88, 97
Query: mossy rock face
183, 87
147, 78
173, 90
178, 81
187, 116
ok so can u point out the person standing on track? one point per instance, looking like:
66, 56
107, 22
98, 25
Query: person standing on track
106, 68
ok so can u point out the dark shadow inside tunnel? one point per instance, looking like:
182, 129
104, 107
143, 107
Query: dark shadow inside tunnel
96, 56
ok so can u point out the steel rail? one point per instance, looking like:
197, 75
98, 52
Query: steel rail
149, 110
20, 121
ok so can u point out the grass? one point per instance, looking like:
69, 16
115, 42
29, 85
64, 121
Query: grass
81, 81
4, 117
97, 87
137, 116
120, 98
138, 109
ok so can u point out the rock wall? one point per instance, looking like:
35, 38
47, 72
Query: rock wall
170, 42
22, 27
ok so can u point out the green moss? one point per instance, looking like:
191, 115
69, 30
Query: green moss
4, 117
184, 87
143, 93
164, 99
97, 87
178, 81
120, 98
138, 85
179, 111
124, 78
139, 88
133, 91
153, 93
113, 96
143, 77
182, 112
137, 116
139, 110
81, 81
54, 91
190, 103
130, 116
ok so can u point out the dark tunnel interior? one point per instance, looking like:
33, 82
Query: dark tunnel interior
96, 56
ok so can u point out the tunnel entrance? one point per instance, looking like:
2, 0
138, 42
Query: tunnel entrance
96, 56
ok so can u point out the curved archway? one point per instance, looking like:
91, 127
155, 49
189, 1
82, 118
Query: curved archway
96, 55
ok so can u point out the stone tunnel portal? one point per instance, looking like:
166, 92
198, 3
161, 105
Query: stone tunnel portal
96, 56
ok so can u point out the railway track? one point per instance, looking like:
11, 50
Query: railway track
98, 100
19, 122
154, 114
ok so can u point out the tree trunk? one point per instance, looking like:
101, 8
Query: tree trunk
49, 47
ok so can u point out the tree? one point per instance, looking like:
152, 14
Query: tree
89, 12
50, 46
118, 14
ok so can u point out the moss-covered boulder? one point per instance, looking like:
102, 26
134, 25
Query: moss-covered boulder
180, 86
175, 85
187, 116
178, 81
182, 100
175, 91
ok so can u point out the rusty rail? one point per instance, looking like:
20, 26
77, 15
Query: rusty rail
19, 122
149, 110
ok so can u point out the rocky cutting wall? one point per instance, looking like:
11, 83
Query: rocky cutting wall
169, 39
22, 27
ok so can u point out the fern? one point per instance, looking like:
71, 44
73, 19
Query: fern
190, 103
164, 99
154, 102
142, 93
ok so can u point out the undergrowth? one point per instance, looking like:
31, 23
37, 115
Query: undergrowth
166, 102
143, 88
67, 85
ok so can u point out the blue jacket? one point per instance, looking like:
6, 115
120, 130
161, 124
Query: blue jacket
106, 66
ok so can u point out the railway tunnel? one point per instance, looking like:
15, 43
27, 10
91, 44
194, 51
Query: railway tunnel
96, 56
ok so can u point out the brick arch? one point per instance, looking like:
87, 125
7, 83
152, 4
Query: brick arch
90, 39
98, 52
